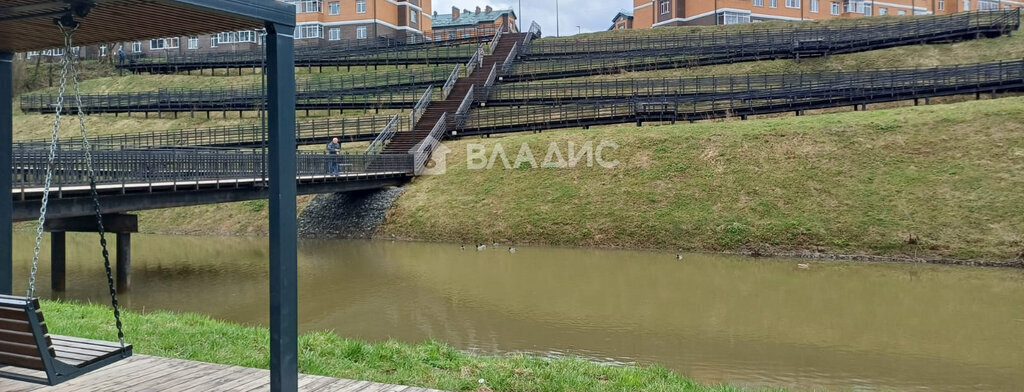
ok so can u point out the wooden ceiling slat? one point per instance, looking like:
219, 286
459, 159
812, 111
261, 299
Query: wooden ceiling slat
118, 20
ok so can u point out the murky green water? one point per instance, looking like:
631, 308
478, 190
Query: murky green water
746, 322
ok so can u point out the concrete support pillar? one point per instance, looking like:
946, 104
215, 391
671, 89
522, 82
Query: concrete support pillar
6, 151
58, 261
124, 261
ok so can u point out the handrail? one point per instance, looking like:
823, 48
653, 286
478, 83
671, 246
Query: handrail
535, 29
384, 137
450, 84
467, 103
476, 61
422, 151
507, 65
494, 42
492, 76
421, 106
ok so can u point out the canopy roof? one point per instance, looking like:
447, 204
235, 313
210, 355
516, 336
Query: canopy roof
28, 24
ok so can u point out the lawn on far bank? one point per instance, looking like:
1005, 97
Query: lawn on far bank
933, 182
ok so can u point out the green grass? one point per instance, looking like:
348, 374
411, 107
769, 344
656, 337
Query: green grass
854, 182
965, 52
431, 364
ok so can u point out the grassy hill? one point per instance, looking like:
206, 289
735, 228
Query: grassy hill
939, 182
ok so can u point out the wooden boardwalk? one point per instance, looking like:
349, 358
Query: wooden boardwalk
142, 373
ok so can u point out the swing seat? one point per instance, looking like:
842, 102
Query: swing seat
29, 353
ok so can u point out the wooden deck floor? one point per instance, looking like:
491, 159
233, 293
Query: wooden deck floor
143, 373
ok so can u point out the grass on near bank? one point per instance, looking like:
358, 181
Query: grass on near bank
940, 181
431, 364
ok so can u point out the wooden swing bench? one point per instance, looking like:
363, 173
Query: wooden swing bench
27, 349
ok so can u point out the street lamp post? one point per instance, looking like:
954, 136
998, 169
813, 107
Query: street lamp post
579, 30
558, 21
520, 18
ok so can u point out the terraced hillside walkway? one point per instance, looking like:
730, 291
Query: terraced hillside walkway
404, 141
146, 373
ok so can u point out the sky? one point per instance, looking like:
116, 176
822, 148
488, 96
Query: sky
589, 15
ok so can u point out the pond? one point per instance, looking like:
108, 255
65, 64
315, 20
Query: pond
719, 319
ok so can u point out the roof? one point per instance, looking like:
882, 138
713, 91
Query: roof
622, 14
470, 18
28, 24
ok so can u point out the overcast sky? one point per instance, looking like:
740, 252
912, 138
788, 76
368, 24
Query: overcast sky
590, 15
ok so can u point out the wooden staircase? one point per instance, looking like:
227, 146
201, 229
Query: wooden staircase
402, 142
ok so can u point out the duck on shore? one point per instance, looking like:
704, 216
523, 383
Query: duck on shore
481, 247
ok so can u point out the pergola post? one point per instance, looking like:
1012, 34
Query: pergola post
284, 364
6, 141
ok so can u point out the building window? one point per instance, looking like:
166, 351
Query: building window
758, 3
665, 7
361, 32
967, 5
335, 34
792, 3
334, 8
193, 43
730, 17
814, 6
883, 11
309, 31
985, 5
103, 50
942, 5
360, 6
414, 17
308, 6
773, 3
163, 43
835, 8
246, 36
902, 12
867, 9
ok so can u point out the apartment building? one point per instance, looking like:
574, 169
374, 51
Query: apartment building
655, 13
337, 20
469, 23
319, 23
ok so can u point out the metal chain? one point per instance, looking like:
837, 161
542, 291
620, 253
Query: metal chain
62, 84
91, 173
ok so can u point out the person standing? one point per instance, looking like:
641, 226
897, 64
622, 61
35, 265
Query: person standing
332, 162
120, 55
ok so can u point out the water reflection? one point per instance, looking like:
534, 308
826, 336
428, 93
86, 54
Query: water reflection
716, 318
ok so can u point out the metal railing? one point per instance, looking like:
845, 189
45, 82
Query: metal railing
421, 107
384, 137
192, 101
492, 77
507, 65
385, 52
476, 61
673, 48
463, 110
179, 169
245, 136
450, 83
422, 151
535, 30
698, 98
494, 42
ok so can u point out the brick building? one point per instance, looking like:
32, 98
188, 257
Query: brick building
467, 23
654, 13
622, 21
319, 23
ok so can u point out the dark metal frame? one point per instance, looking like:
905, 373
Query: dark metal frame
279, 20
